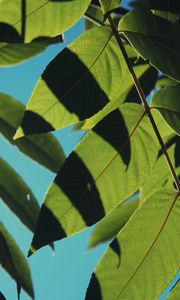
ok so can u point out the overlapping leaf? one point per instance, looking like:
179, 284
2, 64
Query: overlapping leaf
160, 175
14, 53
38, 19
22, 22
167, 102
14, 262
146, 249
94, 13
107, 167
155, 39
18, 196
110, 225
109, 5
44, 148
79, 82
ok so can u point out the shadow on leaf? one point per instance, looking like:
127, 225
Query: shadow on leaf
38, 124
74, 86
94, 289
49, 229
113, 130
77, 183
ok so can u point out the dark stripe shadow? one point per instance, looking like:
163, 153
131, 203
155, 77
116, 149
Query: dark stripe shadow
113, 130
75, 180
115, 246
34, 123
48, 229
9, 34
147, 81
94, 290
84, 97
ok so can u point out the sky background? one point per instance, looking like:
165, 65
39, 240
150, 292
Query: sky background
66, 274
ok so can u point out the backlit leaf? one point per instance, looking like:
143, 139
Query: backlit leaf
109, 5
78, 83
44, 148
14, 53
110, 225
39, 19
107, 167
143, 259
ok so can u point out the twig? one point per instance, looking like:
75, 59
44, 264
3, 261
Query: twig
144, 101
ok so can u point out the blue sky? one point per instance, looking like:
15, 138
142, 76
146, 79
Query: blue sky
66, 274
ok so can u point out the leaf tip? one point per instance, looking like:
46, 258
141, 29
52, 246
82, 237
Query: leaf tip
19, 133
31, 251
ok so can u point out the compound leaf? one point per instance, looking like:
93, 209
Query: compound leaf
110, 225
83, 192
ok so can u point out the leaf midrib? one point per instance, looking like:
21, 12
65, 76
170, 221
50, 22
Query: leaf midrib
79, 80
107, 166
151, 246
31, 13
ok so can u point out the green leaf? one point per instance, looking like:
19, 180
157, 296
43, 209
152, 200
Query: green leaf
109, 5
143, 259
79, 82
160, 175
44, 148
110, 225
83, 192
126, 95
155, 39
14, 262
18, 196
165, 81
167, 102
175, 292
95, 14
14, 53
39, 19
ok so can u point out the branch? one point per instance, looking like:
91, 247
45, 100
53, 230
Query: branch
144, 101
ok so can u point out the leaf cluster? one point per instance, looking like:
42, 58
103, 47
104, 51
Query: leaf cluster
117, 175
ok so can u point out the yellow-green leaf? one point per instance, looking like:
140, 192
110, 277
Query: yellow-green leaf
44, 148
89, 184
145, 256
110, 225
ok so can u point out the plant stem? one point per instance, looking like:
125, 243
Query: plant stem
144, 101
